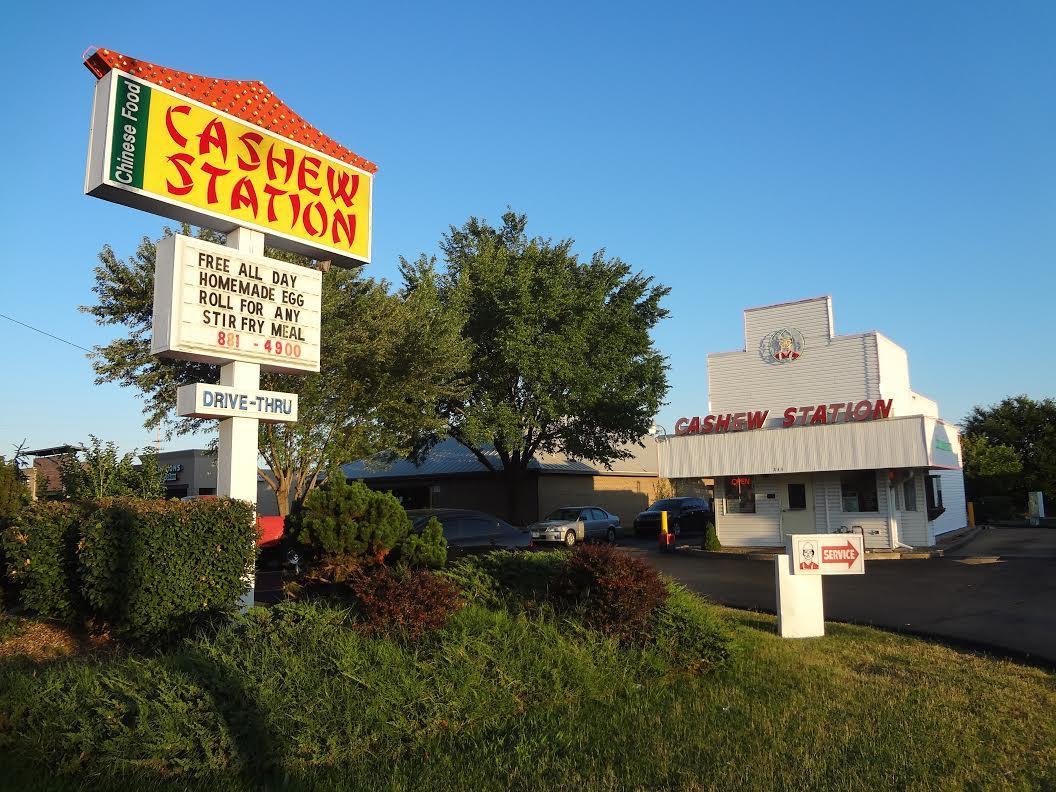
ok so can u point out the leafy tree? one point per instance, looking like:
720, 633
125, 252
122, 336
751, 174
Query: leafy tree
1024, 425
663, 488
101, 471
386, 359
13, 492
146, 481
983, 460
561, 358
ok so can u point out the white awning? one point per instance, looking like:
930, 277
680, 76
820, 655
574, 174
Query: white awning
907, 442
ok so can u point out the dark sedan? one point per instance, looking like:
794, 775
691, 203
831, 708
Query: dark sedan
466, 530
683, 514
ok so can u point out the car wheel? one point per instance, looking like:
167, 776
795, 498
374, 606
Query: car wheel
570, 538
610, 535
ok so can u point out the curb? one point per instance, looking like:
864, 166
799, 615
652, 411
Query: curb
962, 540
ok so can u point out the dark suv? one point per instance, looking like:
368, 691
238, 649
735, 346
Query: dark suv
683, 515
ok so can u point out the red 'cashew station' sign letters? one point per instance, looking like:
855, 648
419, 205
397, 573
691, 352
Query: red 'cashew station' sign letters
810, 415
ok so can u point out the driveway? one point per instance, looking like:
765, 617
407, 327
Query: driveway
1006, 604
1012, 543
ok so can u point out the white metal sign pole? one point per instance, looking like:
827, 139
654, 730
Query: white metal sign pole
237, 458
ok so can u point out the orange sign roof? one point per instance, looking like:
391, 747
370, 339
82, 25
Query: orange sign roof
248, 100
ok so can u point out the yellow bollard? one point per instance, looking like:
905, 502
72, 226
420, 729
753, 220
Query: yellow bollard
971, 514
664, 537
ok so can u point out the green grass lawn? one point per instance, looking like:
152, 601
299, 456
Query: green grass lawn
296, 698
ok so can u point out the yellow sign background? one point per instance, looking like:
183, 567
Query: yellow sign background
210, 161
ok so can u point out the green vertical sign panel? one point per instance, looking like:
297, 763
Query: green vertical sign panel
128, 146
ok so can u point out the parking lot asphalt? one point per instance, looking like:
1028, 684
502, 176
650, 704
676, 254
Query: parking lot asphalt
1011, 543
1004, 604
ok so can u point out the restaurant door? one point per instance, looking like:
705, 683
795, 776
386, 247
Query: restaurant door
797, 506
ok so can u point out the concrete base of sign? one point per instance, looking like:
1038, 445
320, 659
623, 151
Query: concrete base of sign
800, 607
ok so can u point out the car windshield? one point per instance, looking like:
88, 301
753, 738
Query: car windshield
667, 504
564, 514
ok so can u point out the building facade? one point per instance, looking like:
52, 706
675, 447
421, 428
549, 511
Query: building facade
188, 472
452, 477
807, 431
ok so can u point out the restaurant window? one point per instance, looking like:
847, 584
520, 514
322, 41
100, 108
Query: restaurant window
740, 495
909, 495
858, 491
933, 497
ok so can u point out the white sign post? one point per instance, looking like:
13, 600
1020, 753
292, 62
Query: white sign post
234, 306
800, 605
236, 470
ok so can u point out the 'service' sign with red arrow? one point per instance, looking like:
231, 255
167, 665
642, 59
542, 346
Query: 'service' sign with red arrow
827, 554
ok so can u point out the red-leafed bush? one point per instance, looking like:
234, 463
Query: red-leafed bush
613, 592
405, 601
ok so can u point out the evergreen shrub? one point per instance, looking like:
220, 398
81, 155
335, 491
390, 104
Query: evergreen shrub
711, 538
343, 518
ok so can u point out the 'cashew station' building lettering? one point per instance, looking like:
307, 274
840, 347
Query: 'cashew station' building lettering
810, 432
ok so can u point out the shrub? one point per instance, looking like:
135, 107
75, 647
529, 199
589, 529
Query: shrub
152, 568
405, 601
711, 538
40, 548
613, 592
427, 549
517, 581
350, 519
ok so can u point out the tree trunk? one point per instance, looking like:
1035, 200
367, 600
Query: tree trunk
513, 479
282, 497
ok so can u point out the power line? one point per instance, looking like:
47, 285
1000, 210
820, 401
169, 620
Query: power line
43, 332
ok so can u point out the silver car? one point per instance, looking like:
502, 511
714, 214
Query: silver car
571, 524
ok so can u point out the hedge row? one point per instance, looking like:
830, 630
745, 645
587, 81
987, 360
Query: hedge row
144, 568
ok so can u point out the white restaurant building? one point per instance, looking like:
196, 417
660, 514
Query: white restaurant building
811, 432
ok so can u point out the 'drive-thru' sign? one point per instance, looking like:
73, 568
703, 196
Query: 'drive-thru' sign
220, 401
827, 554
159, 150
215, 304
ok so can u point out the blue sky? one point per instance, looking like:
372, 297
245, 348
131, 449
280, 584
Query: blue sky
898, 156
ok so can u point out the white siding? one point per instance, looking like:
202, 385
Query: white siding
762, 529
913, 525
811, 317
956, 514
947, 434
893, 365
874, 524
840, 370
890, 443
919, 405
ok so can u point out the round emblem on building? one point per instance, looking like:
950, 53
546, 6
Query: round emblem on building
782, 346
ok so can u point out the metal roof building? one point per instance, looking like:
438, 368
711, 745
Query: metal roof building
452, 476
